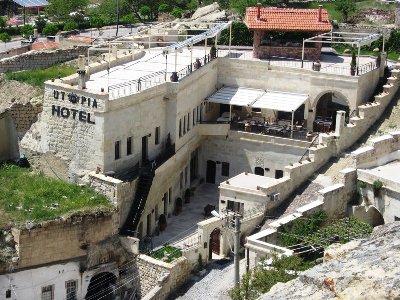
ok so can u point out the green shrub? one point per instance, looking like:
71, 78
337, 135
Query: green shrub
2, 22
27, 30
50, 29
377, 185
164, 8
361, 184
70, 26
177, 13
40, 23
5, 37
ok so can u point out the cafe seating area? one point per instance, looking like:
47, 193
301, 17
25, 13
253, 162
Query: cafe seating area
281, 128
323, 124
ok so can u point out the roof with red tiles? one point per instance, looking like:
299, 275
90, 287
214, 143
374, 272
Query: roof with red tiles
80, 38
287, 19
45, 45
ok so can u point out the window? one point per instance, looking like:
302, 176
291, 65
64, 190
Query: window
129, 146
188, 122
117, 150
156, 214
71, 288
198, 114
235, 206
181, 181
157, 136
278, 174
186, 175
184, 124
225, 169
180, 128
254, 109
194, 116
8, 294
48, 292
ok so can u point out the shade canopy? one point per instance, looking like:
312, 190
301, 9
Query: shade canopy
280, 101
236, 96
257, 98
32, 3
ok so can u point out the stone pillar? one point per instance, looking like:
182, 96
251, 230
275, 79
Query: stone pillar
340, 121
81, 72
114, 51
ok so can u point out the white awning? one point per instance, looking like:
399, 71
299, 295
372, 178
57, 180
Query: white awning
236, 96
281, 101
257, 98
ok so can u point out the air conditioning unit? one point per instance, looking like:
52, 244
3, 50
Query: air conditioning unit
274, 196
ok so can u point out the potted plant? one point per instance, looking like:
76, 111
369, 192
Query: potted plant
187, 196
353, 64
162, 222
213, 52
178, 205
377, 185
317, 65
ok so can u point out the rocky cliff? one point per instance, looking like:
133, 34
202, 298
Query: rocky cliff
362, 269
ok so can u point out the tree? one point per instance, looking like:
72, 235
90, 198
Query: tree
61, 9
70, 26
27, 31
50, 29
108, 10
5, 37
346, 7
40, 22
241, 35
2, 22
97, 22
164, 8
145, 11
177, 12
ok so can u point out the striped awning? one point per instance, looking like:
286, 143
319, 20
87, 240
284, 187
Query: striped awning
257, 98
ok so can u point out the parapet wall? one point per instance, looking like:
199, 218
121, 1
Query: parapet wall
61, 239
40, 59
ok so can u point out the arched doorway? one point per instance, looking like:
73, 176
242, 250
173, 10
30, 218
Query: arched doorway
259, 171
214, 242
101, 286
326, 109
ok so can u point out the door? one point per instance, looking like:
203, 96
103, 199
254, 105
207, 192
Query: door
165, 199
211, 168
148, 230
214, 242
144, 148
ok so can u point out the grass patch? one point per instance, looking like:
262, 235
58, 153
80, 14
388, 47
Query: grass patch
333, 13
39, 76
392, 55
168, 251
26, 195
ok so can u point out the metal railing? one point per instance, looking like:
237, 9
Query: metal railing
308, 149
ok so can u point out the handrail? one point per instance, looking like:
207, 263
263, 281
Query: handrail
308, 149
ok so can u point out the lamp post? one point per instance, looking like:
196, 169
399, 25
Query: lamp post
116, 33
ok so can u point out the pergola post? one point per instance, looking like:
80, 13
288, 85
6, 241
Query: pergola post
176, 58
230, 37
191, 58
291, 129
383, 42
230, 113
358, 57
88, 60
302, 54
205, 48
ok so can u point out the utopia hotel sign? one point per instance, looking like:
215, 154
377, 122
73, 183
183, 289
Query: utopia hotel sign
71, 113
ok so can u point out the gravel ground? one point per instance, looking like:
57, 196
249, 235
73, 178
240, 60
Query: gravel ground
214, 285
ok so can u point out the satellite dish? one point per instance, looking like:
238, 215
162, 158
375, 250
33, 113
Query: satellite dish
215, 214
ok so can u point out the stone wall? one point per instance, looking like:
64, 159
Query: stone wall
157, 279
14, 51
61, 239
120, 193
40, 59
24, 115
8, 137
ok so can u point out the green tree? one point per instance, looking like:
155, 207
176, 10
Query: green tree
50, 29
108, 10
241, 35
27, 30
5, 37
145, 11
97, 22
61, 9
164, 8
70, 26
177, 12
2, 22
40, 22
346, 7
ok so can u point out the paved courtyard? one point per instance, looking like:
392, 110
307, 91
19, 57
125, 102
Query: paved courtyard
184, 225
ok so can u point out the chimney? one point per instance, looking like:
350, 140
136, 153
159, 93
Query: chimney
258, 11
319, 13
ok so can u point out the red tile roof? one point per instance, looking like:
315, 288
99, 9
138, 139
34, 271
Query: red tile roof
83, 39
45, 45
287, 19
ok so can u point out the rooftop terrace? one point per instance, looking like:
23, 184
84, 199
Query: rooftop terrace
154, 68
